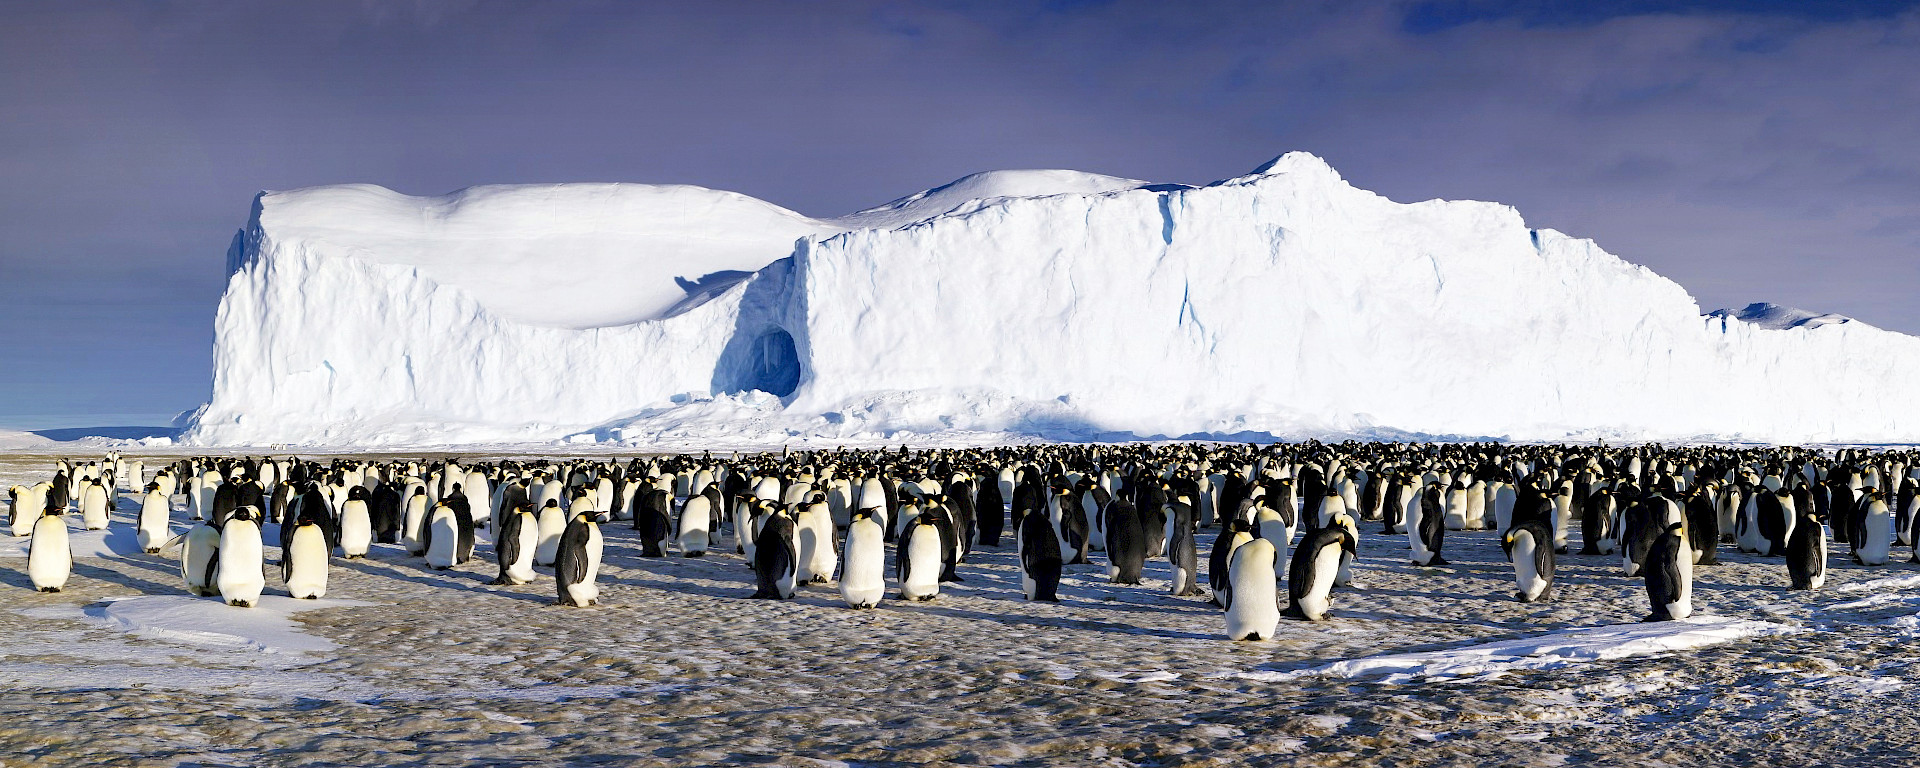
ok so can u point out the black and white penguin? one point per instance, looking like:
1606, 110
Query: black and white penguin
863, 569
1070, 525
1807, 554
50, 553
1774, 520
653, 518
1235, 532
990, 512
1597, 534
1873, 544
356, 524
449, 533
1426, 531
696, 524
413, 522
1669, 574
303, 562
1183, 553
775, 561
242, 574
919, 559
200, 558
813, 540
94, 506
514, 542
1040, 561
1640, 526
576, 569
383, 506
1528, 546
151, 528
550, 525
1126, 543
1315, 568
1253, 594
1703, 527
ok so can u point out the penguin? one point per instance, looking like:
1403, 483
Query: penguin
413, 523
449, 533
1703, 527
1183, 553
28, 504
1455, 514
813, 541
383, 508
1874, 543
918, 560
775, 562
1236, 532
242, 574
1425, 531
1527, 547
1070, 525
514, 543
990, 513
1774, 518
200, 559
1639, 528
303, 561
1126, 543
550, 525
356, 524
1253, 610
151, 529
653, 518
576, 567
1040, 561
1270, 525
1596, 525
50, 554
93, 506
1807, 554
1669, 574
1314, 569
863, 574
696, 519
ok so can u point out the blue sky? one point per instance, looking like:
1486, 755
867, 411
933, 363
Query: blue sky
1749, 150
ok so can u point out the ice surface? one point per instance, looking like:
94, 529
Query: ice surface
267, 627
1780, 318
1552, 651
1284, 303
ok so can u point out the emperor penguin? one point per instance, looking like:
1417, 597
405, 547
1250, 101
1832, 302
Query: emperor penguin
1272, 526
1669, 573
514, 542
1183, 553
1596, 524
813, 540
990, 507
1456, 509
1040, 561
1774, 520
303, 562
449, 535
1425, 531
151, 530
1234, 533
28, 503
653, 518
200, 559
1703, 527
1528, 546
1070, 525
1315, 568
413, 523
49, 554
1126, 543
93, 505
1253, 594
919, 559
1807, 554
775, 561
696, 520
356, 524
242, 575
1639, 528
550, 525
576, 568
863, 574
1874, 545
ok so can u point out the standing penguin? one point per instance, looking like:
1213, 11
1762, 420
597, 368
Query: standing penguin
1253, 603
576, 569
919, 559
1528, 547
813, 540
449, 533
1126, 543
990, 512
94, 506
514, 542
653, 518
1425, 531
775, 562
155, 510
1040, 560
1640, 527
1235, 533
50, 554
1669, 572
1874, 544
242, 575
863, 574
1183, 553
200, 559
550, 524
1596, 525
696, 520
1703, 527
413, 523
356, 524
303, 562
1807, 554
1315, 568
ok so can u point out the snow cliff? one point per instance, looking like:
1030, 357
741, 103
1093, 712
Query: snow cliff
1052, 304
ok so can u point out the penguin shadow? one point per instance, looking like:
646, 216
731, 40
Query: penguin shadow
466, 581
645, 578
17, 578
112, 576
1047, 622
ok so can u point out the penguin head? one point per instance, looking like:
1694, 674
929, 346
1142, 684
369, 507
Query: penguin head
241, 513
552, 504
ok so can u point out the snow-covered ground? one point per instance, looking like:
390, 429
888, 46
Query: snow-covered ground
401, 665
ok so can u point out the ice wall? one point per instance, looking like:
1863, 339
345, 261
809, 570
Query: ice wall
1283, 303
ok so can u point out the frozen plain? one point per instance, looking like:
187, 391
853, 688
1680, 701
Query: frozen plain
1430, 667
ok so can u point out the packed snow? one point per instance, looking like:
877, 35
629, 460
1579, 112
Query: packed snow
1035, 304
268, 627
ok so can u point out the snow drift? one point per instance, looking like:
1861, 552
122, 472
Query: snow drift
1051, 304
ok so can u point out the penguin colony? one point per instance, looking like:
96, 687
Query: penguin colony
1285, 520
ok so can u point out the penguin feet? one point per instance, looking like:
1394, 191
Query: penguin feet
49, 589
1661, 616
240, 603
311, 597
153, 551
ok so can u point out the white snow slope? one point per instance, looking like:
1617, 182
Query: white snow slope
1050, 304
